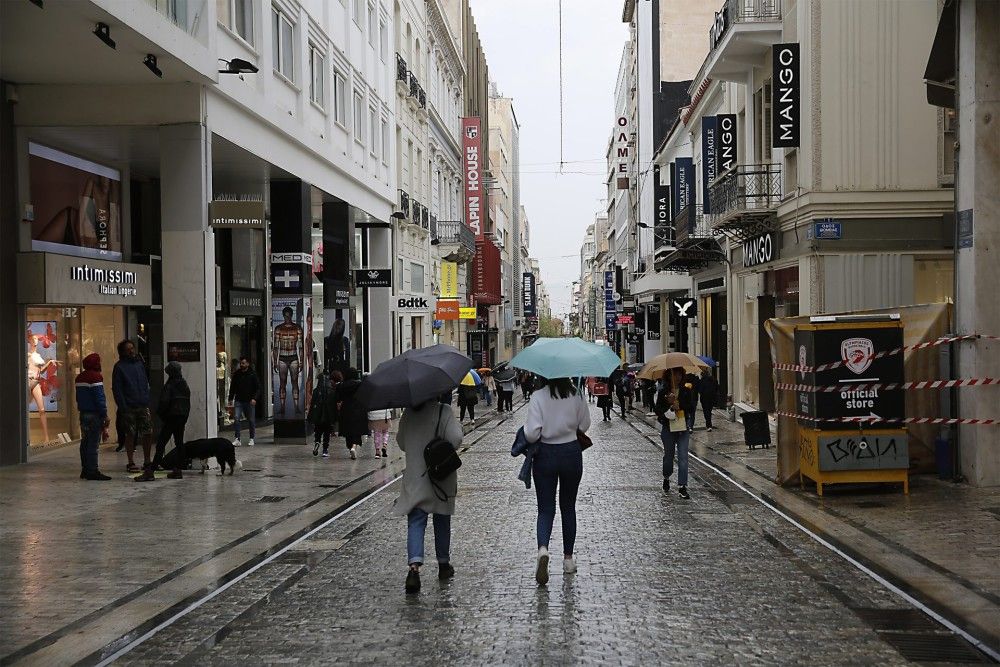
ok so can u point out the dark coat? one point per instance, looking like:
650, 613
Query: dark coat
708, 389
243, 386
353, 418
323, 409
175, 398
467, 395
129, 384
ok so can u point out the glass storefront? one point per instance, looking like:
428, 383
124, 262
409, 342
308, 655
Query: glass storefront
236, 337
58, 338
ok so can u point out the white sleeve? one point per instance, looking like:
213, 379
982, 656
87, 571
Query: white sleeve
533, 420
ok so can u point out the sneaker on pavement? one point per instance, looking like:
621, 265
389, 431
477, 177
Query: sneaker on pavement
413, 581
569, 565
316, 449
445, 571
542, 567
709, 429
250, 442
683, 491
666, 486
237, 443
354, 452
385, 453
326, 454
378, 455
146, 476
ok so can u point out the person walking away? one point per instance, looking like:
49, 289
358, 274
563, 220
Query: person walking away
420, 496
648, 395
353, 418
673, 430
130, 387
604, 400
173, 410
94, 422
527, 385
489, 387
630, 387
243, 392
621, 391
468, 396
691, 409
323, 413
507, 395
379, 422
555, 416
708, 392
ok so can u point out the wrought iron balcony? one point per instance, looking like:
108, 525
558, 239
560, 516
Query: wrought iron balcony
416, 214
454, 239
425, 218
421, 97
402, 73
745, 199
414, 86
742, 31
404, 203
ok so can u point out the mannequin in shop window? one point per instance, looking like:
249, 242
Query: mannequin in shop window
220, 383
40, 373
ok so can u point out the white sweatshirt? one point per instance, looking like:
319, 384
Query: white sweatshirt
555, 420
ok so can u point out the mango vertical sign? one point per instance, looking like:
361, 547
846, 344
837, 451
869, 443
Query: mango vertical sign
472, 151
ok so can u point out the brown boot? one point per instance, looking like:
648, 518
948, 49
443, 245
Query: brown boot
146, 476
176, 474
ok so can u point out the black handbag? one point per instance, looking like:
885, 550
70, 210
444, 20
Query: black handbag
441, 459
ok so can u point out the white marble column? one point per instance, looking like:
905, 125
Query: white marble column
381, 317
189, 263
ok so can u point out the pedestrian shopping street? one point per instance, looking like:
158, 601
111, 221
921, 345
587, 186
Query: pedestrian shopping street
142, 573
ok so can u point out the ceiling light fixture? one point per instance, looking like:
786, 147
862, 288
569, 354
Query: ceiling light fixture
238, 66
150, 62
103, 32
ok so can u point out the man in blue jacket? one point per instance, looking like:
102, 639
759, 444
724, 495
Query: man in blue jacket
130, 387
94, 420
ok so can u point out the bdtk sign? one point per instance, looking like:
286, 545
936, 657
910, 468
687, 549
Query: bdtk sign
787, 90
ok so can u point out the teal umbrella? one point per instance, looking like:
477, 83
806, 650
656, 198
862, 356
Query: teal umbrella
566, 357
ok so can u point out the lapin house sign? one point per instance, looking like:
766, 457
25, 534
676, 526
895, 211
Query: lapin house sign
472, 145
787, 90
621, 146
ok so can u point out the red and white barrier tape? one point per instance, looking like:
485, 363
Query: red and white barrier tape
907, 420
885, 353
922, 384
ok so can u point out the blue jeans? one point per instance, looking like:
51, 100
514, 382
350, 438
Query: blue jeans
678, 441
91, 426
244, 409
557, 466
689, 416
415, 530
488, 396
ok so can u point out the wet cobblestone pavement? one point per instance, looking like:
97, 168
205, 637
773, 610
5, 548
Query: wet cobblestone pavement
718, 579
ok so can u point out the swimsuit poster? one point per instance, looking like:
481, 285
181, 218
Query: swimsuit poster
288, 356
43, 380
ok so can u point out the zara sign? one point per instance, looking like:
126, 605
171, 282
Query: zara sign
760, 250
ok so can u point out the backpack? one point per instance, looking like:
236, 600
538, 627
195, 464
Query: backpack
441, 459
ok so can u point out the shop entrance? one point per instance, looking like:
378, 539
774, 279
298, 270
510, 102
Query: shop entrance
237, 337
58, 338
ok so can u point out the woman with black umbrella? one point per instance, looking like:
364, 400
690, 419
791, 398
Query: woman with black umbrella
353, 424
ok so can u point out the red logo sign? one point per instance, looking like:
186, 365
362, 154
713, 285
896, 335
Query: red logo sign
472, 148
626, 319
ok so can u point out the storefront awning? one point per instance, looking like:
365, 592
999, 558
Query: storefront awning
939, 76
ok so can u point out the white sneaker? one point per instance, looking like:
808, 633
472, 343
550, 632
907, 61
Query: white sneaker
237, 443
542, 567
250, 442
569, 565
354, 452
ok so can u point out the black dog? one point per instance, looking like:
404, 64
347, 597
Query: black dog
221, 448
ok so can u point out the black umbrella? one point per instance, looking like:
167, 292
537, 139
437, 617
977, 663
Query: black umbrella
503, 373
414, 377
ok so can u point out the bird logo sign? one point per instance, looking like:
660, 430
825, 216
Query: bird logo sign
374, 275
857, 354
471, 131
684, 307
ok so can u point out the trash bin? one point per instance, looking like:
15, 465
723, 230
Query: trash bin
756, 429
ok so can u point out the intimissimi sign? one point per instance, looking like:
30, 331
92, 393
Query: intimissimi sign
621, 153
785, 124
472, 151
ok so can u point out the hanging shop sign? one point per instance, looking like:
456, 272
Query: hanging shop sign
291, 272
414, 305
653, 321
626, 319
640, 320
684, 306
719, 27
449, 309
610, 321
46, 278
449, 280
238, 211
684, 185
472, 148
528, 298
621, 149
184, 352
246, 303
785, 124
709, 158
663, 224
760, 250
366, 278
727, 138
467, 313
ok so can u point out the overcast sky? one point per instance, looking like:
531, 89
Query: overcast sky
521, 41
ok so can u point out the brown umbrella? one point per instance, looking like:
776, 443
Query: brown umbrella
656, 367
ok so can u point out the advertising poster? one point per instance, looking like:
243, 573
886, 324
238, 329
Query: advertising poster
288, 356
76, 205
337, 339
43, 379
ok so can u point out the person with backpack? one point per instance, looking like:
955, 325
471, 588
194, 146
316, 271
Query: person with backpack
173, 410
556, 418
429, 435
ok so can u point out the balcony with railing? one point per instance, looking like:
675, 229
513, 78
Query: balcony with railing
745, 200
414, 87
404, 203
742, 31
454, 240
694, 241
402, 76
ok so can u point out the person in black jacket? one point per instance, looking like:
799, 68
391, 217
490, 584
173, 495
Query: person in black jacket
323, 411
691, 411
243, 392
708, 391
468, 397
173, 410
353, 423
676, 397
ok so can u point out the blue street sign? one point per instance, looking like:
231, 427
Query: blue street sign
828, 229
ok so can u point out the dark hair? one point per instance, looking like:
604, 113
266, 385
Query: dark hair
352, 374
287, 309
561, 387
245, 358
337, 376
122, 345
